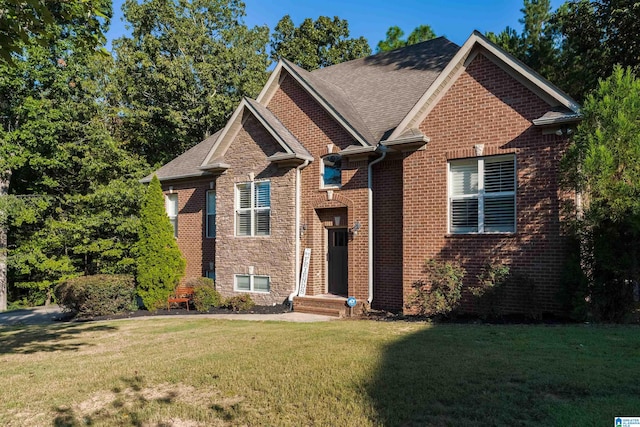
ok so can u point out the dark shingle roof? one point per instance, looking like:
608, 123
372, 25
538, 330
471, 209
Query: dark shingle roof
384, 87
187, 164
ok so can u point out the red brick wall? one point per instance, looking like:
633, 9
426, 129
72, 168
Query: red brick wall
315, 129
487, 106
387, 239
198, 250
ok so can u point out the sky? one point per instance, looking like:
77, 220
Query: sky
371, 18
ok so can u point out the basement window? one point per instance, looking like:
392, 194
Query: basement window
252, 283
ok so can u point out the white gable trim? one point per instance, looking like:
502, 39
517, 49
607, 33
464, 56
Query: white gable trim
545, 89
274, 82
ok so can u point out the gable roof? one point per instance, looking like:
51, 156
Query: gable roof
538, 84
186, 165
384, 87
291, 147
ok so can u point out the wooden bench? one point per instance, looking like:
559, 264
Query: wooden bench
181, 294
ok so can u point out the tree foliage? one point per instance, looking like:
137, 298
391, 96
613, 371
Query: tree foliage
160, 265
394, 40
316, 44
603, 163
73, 191
25, 23
183, 71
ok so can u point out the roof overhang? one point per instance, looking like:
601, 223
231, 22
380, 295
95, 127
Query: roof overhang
289, 159
415, 141
551, 121
204, 173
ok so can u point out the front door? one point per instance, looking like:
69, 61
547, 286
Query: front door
337, 259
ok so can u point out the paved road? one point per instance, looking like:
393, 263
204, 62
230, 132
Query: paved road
52, 313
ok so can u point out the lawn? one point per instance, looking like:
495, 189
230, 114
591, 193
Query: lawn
192, 372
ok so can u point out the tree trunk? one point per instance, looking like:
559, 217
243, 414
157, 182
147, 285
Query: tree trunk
4, 191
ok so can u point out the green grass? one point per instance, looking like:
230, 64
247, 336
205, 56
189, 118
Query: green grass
191, 372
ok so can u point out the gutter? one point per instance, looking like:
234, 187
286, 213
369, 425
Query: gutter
383, 149
297, 231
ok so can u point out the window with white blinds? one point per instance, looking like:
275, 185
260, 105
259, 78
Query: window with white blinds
482, 195
253, 209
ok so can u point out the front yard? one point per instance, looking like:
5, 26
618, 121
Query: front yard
192, 372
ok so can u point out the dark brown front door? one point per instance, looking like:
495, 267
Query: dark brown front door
338, 270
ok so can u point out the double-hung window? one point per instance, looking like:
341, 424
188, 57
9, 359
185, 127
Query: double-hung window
482, 195
211, 214
171, 205
252, 283
253, 208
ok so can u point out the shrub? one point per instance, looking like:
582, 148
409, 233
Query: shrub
159, 263
239, 302
204, 293
491, 277
97, 295
440, 292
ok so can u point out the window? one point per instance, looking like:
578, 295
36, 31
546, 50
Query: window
211, 274
171, 205
211, 214
331, 170
482, 195
252, 283
253, 209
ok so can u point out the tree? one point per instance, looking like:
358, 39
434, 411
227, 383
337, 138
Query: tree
603, 163
25, 23
594, 36
159, 265
72, 199
183, 71
394, 38
316, 44
536, 46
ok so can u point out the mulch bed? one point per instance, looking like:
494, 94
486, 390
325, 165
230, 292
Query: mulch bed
258, 309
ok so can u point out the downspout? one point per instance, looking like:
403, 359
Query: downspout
383, 149
297, 231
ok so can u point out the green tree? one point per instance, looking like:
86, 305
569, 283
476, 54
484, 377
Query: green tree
536, 45
316, 44
603, 164
394, 40
183, 71
72, 188
36, 22
160, 265
594, 36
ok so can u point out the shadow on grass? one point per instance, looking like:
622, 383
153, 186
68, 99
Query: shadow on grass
508, 375
132, 404
45, 338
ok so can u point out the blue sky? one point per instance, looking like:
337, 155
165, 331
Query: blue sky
371, 18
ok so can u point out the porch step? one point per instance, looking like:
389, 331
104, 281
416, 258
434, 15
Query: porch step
328, 306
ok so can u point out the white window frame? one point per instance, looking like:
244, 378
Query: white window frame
211, 214
169, 200
251, 283
253, 210
322, 183
481, 195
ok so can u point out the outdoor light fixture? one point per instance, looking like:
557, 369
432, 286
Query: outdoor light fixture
564, 130
303, 229
336, 221
355, 228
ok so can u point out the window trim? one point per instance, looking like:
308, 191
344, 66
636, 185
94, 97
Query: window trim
251, 283
482, 195
322, 182
172, 218
252, 209
209, 214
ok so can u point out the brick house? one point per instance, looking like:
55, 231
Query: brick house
375, 165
